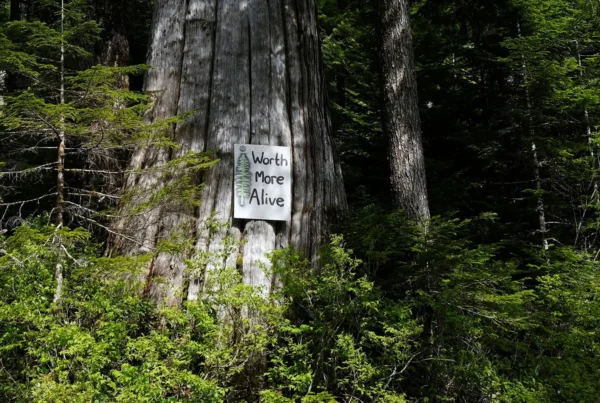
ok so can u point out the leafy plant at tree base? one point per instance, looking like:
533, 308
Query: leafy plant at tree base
325, 337
344, 340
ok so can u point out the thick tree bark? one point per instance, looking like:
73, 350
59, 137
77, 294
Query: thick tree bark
401, 119
253, 71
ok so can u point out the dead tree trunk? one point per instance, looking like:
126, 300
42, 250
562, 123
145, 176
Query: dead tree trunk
253, 71
401, 119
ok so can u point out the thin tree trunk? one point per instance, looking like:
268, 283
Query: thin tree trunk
588, 126
536, 162
592, 149
538, 187
401, 121
60, 180
253, 71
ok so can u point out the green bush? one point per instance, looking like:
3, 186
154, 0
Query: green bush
325, 336
453, 320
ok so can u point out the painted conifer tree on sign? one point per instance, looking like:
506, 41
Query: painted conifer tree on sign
242, 177
253, 71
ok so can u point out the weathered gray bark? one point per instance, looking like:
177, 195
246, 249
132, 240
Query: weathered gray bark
401, 121
253, 70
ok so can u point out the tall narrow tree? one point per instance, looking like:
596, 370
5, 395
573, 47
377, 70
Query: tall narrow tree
401, 121
253, 72
541, 210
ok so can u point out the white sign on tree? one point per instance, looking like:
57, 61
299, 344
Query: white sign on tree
262, 182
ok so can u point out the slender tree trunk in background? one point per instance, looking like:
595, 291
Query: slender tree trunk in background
586, 113
253, 70
60, 163
536, 172
589, 131
401, 121
540, 201
60, 168
534, 154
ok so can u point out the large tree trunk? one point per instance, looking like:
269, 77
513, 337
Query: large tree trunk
401, 121
253, 71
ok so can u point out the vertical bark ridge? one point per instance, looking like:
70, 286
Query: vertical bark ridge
315, 116
250, 83
229, 123
212, 67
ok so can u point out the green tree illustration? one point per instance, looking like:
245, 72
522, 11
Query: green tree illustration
242, 178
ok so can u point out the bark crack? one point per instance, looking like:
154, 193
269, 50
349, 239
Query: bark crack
187, 5
270, 100
211, 74
288, 87
210, 96
250, 76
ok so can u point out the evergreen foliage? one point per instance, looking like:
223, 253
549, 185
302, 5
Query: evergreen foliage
92, 108
103, 341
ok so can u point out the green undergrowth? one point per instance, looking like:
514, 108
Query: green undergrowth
427, 315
